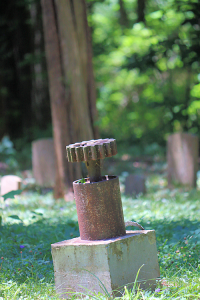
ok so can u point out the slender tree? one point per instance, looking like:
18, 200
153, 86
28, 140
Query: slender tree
123, 14
141, 4
71, 82
40, 95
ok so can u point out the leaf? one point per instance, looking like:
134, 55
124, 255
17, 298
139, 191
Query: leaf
195, 92
81, 180
11, 194
156, 14
15, 217
197, 231
37, 213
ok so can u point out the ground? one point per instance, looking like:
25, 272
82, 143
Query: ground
32, 222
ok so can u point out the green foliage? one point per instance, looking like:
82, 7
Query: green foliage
11, 195
15, 217
81, 180
147, 74
7, 153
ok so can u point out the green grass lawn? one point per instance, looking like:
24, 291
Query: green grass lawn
26, 269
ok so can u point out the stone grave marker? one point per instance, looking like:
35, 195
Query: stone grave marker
10, 183
182, 159
43, 162
135, 184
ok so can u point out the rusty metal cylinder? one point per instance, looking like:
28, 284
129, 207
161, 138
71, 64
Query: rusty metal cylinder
99, 209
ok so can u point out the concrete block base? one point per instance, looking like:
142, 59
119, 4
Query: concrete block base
81, 266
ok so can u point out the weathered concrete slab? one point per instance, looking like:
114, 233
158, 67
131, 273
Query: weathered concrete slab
182, 159
43, 162
81, 265
10, 183
135, 184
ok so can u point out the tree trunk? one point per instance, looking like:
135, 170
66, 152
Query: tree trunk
71, 81
123, 14
57, 97
72, 24
141, 10
39, 94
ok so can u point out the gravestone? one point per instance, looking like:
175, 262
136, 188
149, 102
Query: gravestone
182, 159
43, 162
135, 184
10, 183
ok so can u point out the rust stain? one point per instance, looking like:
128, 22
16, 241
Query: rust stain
151, 237
99, 209
117, 250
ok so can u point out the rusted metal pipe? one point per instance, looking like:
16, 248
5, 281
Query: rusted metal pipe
98, 200
99, 209
94, 170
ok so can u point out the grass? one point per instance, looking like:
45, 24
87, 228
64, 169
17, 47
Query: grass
26, 269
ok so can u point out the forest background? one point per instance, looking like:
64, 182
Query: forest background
146, 65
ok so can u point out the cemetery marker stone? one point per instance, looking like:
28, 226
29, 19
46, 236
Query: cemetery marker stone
135, 184
43, 162
10, 183
182, 159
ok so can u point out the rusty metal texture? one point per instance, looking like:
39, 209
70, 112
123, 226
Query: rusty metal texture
91, 150
99, 209
135, 224
94, 170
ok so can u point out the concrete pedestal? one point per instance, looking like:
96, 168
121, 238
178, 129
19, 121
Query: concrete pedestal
81, 266
135, 184
43, 162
